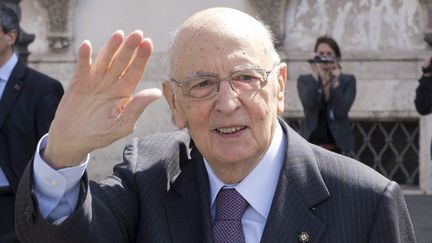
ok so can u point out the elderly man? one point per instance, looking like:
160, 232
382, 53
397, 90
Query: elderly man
234, 172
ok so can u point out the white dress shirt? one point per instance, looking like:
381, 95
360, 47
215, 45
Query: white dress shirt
5, 72
57, 191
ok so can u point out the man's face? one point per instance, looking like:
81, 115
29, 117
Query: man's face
7, 41
230, 129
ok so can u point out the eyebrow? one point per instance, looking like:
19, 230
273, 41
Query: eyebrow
233, 70
203, 74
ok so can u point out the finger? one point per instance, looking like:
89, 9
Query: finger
84, 61
107, 52
137, 105
125, 54
136, 68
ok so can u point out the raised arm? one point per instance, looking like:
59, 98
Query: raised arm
100, 106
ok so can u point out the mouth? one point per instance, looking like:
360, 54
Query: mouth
230, 130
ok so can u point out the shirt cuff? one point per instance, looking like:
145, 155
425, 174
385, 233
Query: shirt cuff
51, 186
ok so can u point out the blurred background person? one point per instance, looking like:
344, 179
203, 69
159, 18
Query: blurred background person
28, 101
327, 95
423, 99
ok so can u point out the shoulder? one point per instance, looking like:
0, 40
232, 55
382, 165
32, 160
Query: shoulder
33, 78
337, 171
163, 141
159, 149
347, 77
39, 79
305, 77
341, 173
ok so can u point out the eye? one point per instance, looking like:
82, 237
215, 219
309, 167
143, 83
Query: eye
204, 83
249, 76
202, 87
245, 77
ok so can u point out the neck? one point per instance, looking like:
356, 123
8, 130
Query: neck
233, 174
5, 57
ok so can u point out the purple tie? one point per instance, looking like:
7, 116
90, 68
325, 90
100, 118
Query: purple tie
230, 207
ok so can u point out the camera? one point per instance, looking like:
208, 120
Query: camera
428, 69
322, 59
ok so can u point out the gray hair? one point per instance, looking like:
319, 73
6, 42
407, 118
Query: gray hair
270, 36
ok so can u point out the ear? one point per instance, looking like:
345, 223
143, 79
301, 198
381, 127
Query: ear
282, 78
11, 37
170, 97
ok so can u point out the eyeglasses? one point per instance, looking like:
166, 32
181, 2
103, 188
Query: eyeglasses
245, 81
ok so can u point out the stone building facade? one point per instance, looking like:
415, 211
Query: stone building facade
383, 44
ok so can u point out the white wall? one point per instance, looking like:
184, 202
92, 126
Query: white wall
97, 19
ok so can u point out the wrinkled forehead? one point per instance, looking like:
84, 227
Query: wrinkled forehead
219, 42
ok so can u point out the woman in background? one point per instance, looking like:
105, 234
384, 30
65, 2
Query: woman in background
327, 95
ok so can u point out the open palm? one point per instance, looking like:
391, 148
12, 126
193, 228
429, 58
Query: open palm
99, 105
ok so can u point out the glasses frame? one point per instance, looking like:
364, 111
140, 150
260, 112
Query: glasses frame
182, 84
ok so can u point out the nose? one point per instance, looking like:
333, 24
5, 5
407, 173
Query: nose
227, 100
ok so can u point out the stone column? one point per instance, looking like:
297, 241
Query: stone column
24, 38
425, 155
273, 13
59, 13
425, 139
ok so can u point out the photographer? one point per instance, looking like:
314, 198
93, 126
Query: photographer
423, 99
327, 96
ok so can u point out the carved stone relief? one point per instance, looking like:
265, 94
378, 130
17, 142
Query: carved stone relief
272, 13
59, 13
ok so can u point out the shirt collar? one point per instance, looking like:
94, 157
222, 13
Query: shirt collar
259, 186
7, 68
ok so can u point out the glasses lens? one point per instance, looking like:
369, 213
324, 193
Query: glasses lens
201, 87
248, 80
205, 87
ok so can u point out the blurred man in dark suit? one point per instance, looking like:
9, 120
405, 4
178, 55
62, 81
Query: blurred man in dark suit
28, 101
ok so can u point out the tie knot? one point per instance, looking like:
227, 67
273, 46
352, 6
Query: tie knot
230, 205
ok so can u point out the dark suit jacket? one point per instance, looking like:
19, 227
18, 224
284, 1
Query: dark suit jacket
27, 108
340, 102
423, 99
164, 197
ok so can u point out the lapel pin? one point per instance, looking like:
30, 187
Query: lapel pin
17, 87
303, 237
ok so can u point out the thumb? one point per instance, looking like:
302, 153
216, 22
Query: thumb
138, 103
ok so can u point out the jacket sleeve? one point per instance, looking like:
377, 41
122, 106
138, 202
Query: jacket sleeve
106, 212
309, 91
47, 106
423, 99
392, 222
342, 97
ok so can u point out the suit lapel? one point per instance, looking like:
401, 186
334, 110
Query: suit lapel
12, 91
300, 188
189, 210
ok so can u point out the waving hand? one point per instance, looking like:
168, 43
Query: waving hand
99, 105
